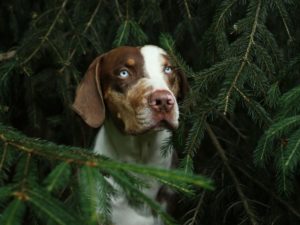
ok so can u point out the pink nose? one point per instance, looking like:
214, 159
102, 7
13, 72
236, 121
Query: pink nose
161, 101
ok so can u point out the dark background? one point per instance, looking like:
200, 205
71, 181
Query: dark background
51, 46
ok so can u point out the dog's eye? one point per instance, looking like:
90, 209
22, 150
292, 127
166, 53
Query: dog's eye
123, 73
168, 70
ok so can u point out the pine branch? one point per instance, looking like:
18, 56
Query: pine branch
95, 195
25, 172
7, 55
223, 12
197, 209
236, 129
221, 152
195, 136
282, 11
13, 213
256, 109
118, 9
127, 31
186, 5
193, 219
269, 192
276, 130
3, 156
168, 44
47, 34
292, 152
122, 31
87, 26
58, 177
47, 207
245, 58
80, 157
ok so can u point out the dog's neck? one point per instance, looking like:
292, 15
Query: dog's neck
143, 148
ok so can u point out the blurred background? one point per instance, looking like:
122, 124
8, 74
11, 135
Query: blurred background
240, 124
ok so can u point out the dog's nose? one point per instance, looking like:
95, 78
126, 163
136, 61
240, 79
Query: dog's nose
161, 101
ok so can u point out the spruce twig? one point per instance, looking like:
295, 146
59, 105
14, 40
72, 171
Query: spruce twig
244, 58
271, 193
7, 55
118, 9
44, 39
88, 25
284, 21
221, 152
222, 14
188, 11
233, 126
81, 158
25, 173
3, 156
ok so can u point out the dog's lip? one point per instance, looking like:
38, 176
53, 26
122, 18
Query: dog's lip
165, 119
167, 124
156, 126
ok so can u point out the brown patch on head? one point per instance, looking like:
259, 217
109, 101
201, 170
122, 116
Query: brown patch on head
173, 80
137, 96
117, 60
124, 97
119, 76
166, 60
130, 62
124, 108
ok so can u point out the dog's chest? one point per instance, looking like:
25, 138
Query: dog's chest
144, 149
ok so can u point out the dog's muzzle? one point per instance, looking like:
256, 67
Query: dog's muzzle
161, 101
162, 104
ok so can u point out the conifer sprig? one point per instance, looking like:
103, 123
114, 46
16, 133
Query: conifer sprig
94, 202
245, 58
241, 58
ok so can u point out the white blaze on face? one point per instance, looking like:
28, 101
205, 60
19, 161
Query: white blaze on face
154, 70
154, 66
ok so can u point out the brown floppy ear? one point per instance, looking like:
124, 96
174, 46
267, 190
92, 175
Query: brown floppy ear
88, 101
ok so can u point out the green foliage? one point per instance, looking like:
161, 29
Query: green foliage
46, 207
58, 178
94, 190
239, 123
13, 214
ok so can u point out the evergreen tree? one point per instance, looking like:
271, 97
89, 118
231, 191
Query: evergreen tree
240, 123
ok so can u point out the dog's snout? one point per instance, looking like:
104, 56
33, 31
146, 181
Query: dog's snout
161, 101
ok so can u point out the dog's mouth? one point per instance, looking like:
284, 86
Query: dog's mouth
164, 125
161, 122
159, 126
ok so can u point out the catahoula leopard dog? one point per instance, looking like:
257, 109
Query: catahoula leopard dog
132, 94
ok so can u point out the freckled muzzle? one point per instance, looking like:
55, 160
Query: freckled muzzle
135, 87
163, 110
154, 109
161, 101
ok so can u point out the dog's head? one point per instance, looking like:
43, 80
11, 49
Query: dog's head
137, 87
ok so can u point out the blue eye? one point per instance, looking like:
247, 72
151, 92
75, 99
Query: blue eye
123, 73
168, 70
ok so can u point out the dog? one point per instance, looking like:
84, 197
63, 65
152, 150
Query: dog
133, 94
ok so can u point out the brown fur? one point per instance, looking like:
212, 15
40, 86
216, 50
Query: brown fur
123, 98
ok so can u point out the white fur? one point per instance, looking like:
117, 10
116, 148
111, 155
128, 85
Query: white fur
144, 149
154, 68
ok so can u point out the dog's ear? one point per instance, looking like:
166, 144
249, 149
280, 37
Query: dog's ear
183, 85
88, 101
